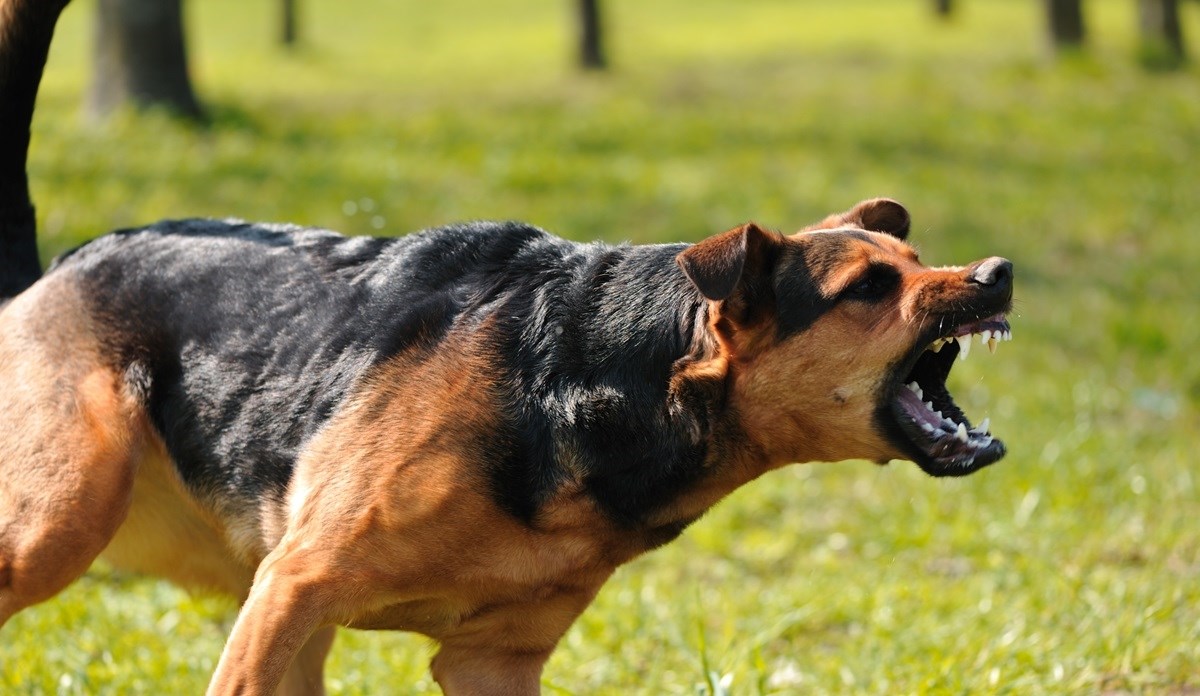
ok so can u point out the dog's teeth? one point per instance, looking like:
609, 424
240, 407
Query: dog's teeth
961, 432
939, 415
1007, 335
927, 427
912, 387
929, 405
964, 346
982, 428
936, 346
992, 345
984, 337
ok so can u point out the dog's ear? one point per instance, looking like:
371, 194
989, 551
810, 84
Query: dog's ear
734, 271
876, 215
721, 264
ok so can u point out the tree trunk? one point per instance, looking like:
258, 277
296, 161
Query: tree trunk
1066, 22
288, 29
943, 8
591, 45
26, 28
140, 58
1161, 30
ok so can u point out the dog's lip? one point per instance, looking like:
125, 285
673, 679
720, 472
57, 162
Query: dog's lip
936, 433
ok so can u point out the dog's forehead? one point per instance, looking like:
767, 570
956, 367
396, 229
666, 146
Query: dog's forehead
817, 265
829, 255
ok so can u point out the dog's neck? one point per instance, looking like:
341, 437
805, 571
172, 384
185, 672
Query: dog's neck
679, 447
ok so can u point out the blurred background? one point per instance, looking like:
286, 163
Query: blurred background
1062, 135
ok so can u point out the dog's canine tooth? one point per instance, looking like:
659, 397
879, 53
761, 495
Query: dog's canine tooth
984, 336
961, 432
982, 428
992, 345
964, 346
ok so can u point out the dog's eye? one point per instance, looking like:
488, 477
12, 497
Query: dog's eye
875, 284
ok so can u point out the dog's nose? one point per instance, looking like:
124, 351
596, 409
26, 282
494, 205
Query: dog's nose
994, 271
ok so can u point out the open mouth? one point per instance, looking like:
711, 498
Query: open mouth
945, 442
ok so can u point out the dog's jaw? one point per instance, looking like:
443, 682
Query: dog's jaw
922, 413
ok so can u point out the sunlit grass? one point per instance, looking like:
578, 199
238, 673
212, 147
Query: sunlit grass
1071, 567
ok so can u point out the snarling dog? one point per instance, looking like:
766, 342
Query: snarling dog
462, 432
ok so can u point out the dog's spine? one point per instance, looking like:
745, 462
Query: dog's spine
26, 27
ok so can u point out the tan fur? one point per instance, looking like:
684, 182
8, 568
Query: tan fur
169, 535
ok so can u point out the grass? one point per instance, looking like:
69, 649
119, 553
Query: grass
1071, 567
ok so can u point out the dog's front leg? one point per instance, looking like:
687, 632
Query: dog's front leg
291, 598
306, 676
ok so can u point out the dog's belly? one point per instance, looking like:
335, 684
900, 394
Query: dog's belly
428, 617
168, 534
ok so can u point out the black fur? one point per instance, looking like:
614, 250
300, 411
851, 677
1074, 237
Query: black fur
796, 282
246, 338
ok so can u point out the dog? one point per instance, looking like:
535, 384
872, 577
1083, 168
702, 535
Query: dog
462, 432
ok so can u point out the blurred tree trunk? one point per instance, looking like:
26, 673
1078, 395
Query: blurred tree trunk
140, 58
1161, 30
943, 8
1066, 22
591, 44
25, 32
288, 29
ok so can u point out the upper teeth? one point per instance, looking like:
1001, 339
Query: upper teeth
964, 346
988, 337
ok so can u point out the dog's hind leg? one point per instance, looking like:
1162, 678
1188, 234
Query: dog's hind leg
69, 433
306, 676
295, 599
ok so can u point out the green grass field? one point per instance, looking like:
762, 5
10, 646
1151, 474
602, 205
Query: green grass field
1073, 566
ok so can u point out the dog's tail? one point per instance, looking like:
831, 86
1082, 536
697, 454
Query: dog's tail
26, 27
